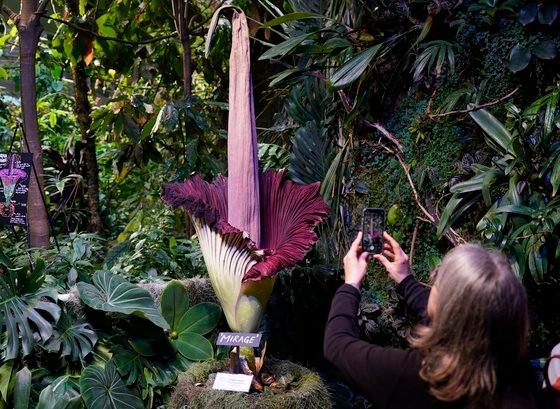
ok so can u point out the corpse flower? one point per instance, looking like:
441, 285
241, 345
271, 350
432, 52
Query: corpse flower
250, 225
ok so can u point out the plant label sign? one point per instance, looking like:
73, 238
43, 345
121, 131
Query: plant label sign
15, 169
241, 339
232, 382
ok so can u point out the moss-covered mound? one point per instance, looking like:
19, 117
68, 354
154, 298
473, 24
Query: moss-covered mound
301, 389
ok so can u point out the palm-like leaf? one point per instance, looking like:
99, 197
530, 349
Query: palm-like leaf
433, 57
308, 162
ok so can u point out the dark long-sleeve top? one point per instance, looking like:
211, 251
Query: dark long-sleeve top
387, 377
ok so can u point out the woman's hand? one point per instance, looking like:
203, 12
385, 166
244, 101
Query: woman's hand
355, 263
394, 259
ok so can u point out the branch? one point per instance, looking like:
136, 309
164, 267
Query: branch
12, 15
476, 107
42, 7
398, 151
118, 40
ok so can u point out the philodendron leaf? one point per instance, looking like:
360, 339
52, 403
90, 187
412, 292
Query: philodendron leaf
103, 388
546, 50
519, 58
174, 303
113, 293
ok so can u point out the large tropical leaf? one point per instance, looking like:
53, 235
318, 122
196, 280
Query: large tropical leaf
139, 370
113, 293
103, 388
25, 318
74, 339
62, 393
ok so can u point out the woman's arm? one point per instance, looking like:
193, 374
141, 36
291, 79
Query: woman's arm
416, 297
382, 375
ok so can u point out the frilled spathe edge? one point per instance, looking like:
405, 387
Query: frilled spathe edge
289, 214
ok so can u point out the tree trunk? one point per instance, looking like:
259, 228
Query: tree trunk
90, 170
29, 30
180, 15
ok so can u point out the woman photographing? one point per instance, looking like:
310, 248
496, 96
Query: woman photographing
469, 350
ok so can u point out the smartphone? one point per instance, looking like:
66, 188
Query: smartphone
373, 224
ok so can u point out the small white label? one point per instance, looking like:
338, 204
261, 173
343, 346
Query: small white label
232, 382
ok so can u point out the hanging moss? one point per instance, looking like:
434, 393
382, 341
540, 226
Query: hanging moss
301, 388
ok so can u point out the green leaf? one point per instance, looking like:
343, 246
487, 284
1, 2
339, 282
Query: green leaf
548, 12
454, 209
285, 47
72, 339
490, 178
545, 50
22, 388
103, 388
194, 346
519, 58
113, 293
284, 75
517, 209
174, 303
537, 265
308, 162
528, 13
353, 68
5, 378
493, 129
23, 318
62, 393
290, 17
200, 319
555, 176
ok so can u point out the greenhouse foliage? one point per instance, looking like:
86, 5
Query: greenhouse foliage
445, 113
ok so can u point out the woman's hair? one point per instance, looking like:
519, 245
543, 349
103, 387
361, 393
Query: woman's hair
478, 335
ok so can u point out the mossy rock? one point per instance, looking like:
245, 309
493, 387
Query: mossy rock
303, 389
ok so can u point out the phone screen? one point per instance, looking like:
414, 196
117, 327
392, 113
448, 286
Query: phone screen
373, 224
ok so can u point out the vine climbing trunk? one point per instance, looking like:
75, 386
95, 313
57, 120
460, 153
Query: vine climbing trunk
90, 169
29, 30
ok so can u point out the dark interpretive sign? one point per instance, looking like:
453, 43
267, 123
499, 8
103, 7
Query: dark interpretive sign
15, 169
242, 339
